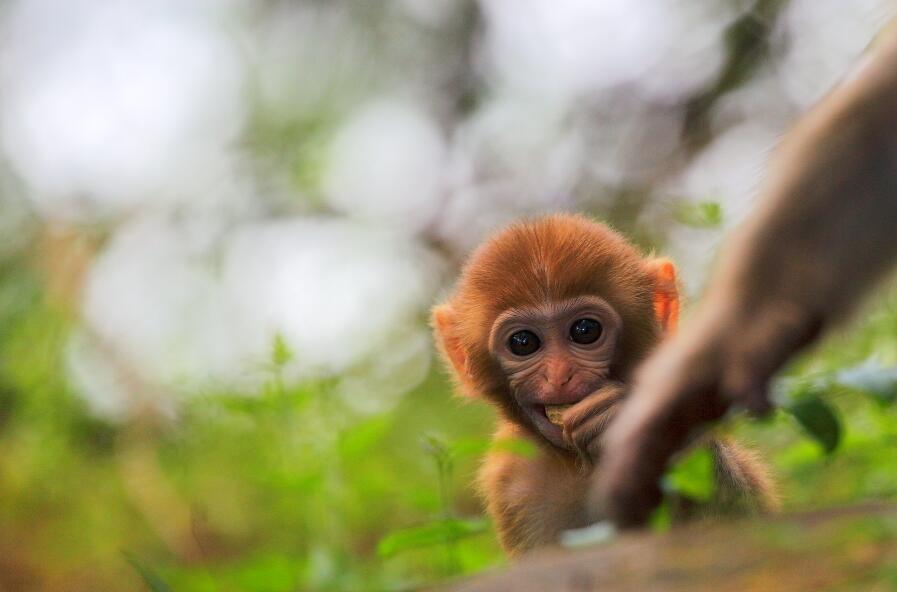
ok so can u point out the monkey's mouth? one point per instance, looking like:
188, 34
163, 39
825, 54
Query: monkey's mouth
555, 413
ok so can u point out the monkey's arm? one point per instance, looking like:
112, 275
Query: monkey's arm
744, 485
825, 230
532, 499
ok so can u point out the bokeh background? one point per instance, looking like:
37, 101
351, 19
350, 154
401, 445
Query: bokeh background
223, 222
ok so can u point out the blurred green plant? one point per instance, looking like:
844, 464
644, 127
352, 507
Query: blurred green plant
692, 476
870, 377
153, 580
690, 479
708, 214
819, 420
806, 398
445, 530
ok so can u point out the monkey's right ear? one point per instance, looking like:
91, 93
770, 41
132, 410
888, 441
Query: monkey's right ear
666, 293
446, 331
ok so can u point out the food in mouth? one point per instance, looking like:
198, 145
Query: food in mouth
555, 413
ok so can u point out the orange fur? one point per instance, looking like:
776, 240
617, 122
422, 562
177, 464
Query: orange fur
551, 258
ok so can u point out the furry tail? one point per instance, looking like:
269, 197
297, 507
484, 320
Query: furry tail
744, 483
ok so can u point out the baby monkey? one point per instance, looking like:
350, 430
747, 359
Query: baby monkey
547, 322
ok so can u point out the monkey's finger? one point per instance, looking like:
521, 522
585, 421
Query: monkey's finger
595, 425
583, 411
580, 428
586, 438
757, 401
654, 422
596, 403
637, 452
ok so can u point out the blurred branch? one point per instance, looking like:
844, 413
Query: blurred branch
65, 254
850, 547
747, 44
153, 495
464, 85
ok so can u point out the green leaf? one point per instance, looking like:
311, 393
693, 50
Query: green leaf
819, 420
708, 214
872, 378
470, 447
435, 533
518, 446
661, 518
435, 446
480, 446
362, 437
149, 576
281, 354
692, 475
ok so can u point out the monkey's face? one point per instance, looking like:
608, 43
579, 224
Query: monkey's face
555, 354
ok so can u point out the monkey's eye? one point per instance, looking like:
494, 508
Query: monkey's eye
586, 331
523, 343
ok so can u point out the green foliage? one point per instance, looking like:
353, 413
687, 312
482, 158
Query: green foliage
708, 214
481, 446
805, 398
872, 378
446, 531
517, 446
690, 479
281, 355
153, 580
661, 519
820, 421
692, 476
287, 488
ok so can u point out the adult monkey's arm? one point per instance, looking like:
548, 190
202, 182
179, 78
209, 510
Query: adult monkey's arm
824, 230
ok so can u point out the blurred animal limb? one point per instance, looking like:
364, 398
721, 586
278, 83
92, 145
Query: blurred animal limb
824, 231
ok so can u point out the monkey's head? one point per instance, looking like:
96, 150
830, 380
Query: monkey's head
546, 311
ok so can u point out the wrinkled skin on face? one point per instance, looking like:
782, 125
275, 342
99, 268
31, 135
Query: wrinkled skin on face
556, 354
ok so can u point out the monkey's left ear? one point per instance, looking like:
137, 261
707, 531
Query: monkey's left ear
666, 293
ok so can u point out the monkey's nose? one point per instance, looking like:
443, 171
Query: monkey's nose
559, 379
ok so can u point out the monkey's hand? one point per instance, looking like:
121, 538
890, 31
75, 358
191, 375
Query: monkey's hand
725, 358
586, 421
